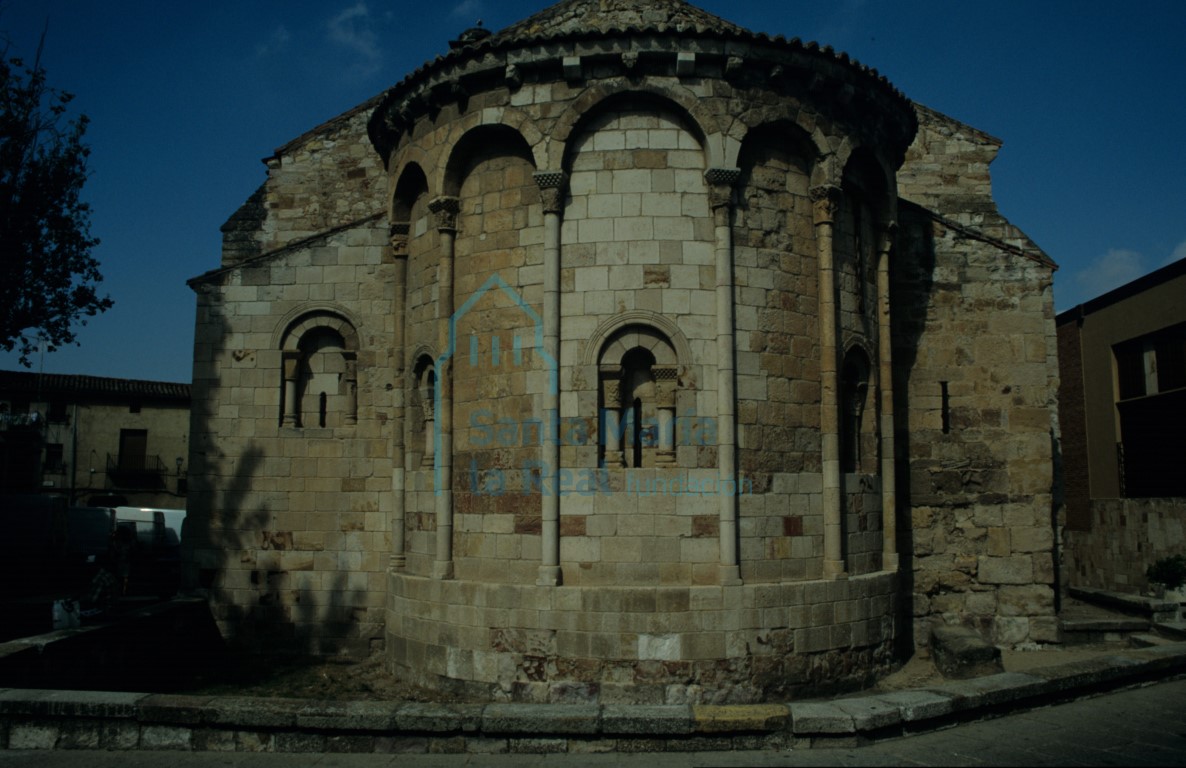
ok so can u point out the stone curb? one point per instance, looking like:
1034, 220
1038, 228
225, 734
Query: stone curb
47, 719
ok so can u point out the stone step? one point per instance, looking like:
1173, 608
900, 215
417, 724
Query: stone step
1092, 631
1157, 609
1147, 640
1174, 630
961, 653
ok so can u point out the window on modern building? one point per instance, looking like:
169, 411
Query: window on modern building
56, 413
54, 458
1170, 351
1151, 364
1130, 369
1150, 407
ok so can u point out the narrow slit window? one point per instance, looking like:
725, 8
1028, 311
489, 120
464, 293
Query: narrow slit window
945, 407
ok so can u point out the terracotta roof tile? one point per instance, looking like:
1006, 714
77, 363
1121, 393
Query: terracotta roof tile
28, 382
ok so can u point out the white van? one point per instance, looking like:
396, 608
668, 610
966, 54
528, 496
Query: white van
155, 528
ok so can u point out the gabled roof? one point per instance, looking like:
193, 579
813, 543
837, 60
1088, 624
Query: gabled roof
99, 387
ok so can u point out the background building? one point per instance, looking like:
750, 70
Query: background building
626, 353
84, 438
1122, 399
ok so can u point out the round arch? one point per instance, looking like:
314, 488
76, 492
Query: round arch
810, 140
640, 317
597, 99
299, 321
865, 171
410, 183
459, 135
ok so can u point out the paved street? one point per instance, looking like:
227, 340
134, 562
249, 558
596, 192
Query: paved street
1141, 727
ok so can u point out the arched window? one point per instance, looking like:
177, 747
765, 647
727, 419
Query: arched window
854, 393
638, 372
424, 396
320, 352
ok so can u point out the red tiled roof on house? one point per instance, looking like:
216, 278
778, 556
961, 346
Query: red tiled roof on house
28, 382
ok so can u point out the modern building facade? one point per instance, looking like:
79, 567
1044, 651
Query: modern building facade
627, 354
1123, 406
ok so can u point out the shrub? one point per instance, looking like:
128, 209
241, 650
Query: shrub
1170, 571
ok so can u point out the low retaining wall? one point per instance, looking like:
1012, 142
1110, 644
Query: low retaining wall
642, 644
1126, 536
160, 647
32, 719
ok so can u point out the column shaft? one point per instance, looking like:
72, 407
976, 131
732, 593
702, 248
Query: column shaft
399, 251
721, 181
826, 205
445, 209
553, 185
889, 502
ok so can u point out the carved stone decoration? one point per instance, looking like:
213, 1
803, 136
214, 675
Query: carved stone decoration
666, 383
825, 203
445, 210
886, 236
572, 68
720, 185
398, 237
513, 76
553, 187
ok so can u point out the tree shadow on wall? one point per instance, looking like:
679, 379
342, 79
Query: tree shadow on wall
273, 606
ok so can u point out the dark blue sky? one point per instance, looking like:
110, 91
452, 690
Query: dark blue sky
186, 98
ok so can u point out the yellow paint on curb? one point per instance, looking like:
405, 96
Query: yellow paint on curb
740, 717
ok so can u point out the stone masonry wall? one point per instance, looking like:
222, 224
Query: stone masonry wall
1123, 538
322, 180
291, 523
976, 387
643, 645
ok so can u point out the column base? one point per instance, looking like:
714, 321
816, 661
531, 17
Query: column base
834, 569
549, 576
442, 569
890, 561
730, 575
397, 562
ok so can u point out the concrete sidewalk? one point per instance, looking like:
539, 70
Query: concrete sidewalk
48, 720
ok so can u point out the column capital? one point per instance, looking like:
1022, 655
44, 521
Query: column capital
720, 186
825, 201
886, 234
445, 209
553, 186
292, 359
397, 235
